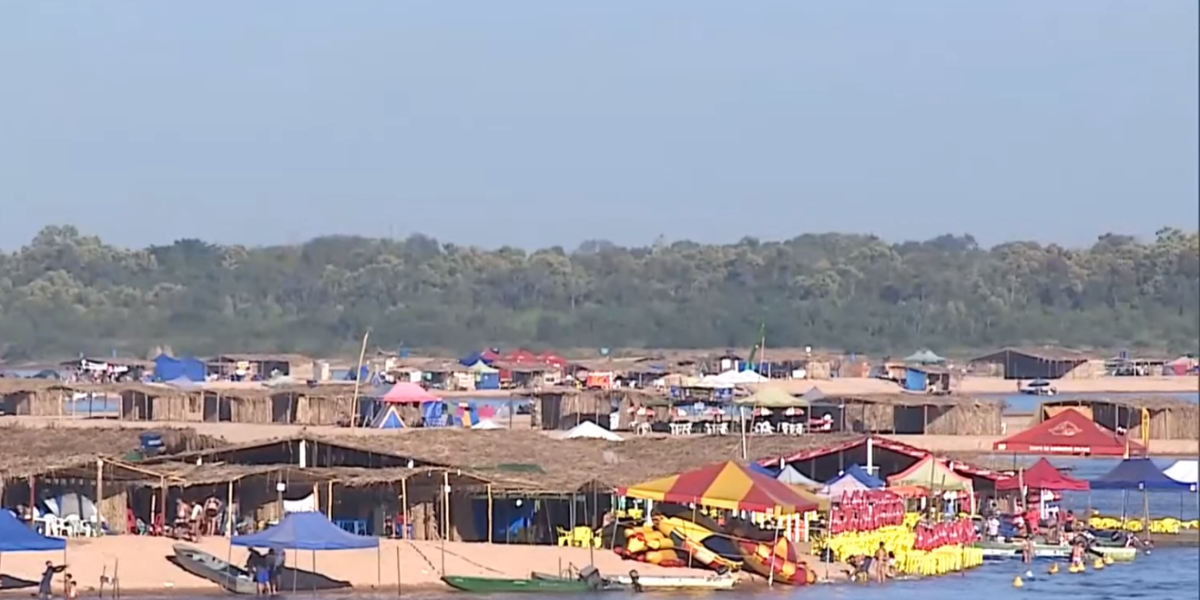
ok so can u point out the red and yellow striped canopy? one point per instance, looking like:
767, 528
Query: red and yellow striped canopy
727, 485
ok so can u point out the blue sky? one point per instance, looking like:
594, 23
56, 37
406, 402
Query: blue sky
538, 123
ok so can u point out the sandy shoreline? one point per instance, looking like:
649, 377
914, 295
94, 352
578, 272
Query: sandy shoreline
143, 568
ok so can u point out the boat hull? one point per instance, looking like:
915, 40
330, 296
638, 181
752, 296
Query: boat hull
533, 585
720, 582
998, 551
202, 564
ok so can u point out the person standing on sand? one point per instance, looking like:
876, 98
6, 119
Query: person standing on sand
45, 587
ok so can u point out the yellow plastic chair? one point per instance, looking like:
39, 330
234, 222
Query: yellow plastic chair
582, 536
564, 536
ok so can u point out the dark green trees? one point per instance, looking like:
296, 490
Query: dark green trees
66, 293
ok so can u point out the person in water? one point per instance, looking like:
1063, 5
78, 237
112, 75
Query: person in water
45, 587
1077, 551
880, 563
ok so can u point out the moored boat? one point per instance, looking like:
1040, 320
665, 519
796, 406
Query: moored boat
660, 582
202, 564
1004, 550
657, 582
533, 585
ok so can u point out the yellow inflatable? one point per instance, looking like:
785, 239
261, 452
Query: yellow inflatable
899, 540
1163, 526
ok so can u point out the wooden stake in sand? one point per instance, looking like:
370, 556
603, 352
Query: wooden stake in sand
399, 584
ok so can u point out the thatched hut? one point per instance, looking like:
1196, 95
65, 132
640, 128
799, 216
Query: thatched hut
31, 397
1170, 418
913, 414
564, 408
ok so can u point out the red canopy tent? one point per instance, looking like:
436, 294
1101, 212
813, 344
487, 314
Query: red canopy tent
1069, 432
1042, 476
405, 392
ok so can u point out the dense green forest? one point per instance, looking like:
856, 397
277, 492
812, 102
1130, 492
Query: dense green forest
67, 292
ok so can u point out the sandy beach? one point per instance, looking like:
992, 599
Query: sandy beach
141, 564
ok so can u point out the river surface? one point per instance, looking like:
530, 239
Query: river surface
1167, 574
1024, 403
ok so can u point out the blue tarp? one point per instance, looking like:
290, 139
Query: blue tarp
15, 536
168, 368
473, 358
761, 470
861, 475
1138, 474
306, 531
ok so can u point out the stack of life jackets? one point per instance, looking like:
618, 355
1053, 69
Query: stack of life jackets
950, 533
866, 511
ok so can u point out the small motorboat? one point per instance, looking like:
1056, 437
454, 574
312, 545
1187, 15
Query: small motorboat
202, 564
658, 582
532, 585
1038, 387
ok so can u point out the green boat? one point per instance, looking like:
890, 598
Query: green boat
495, 585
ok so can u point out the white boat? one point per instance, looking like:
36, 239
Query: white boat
658, 582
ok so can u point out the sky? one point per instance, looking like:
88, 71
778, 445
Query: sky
542, 122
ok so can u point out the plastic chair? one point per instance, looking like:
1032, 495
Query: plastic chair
564, 536
582, 536
52, 526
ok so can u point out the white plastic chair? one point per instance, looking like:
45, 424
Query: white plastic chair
73, 526
52, 526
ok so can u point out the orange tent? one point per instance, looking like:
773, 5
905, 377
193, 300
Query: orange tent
727, 485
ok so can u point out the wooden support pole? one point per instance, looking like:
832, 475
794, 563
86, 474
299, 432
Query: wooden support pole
229, 523
404, 506
99, 489
489, 509
329, 502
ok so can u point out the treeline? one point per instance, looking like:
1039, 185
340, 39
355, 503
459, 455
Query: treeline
67, 293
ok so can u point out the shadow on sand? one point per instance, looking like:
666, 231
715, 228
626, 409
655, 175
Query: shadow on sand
8, 582
291, 579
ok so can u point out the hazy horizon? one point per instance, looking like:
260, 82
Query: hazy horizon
543, 124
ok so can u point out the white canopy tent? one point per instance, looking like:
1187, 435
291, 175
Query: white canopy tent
1184, 471
592, 431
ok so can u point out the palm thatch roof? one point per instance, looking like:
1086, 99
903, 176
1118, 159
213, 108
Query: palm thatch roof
530, 460
28, 451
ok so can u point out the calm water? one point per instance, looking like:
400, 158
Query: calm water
1023, 403
1165, 575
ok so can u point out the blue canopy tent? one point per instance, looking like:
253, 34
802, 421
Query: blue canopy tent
169, 368
1138, 474
307, 531
1134, 474
15, 536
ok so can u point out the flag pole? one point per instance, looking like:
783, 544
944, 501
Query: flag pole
362, 354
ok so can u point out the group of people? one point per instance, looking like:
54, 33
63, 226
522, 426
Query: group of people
878, 567
194, 519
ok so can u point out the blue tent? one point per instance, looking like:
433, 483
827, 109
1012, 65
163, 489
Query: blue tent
761, 470
15, 536
306, 531
168, 368
388, 418
1138, 474
861, 475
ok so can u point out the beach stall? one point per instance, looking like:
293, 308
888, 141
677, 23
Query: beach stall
750, 498
1069, 433
1138, 474
306, 531
931, 479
